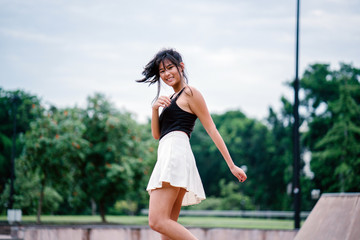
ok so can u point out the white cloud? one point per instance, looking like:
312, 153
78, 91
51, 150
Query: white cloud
238, 53
24, 35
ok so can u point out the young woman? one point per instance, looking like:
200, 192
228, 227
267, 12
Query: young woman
175, 180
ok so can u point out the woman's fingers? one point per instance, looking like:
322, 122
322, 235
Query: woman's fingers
242, 179
240, 174
164, 101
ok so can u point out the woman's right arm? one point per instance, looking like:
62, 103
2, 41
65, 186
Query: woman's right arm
162, 101
155, 126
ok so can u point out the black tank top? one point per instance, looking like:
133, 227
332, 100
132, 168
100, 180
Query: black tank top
173, 118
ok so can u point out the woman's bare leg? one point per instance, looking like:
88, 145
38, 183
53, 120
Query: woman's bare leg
175, 212
164, 208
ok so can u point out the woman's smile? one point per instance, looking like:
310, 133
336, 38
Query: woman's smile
169, 73
170, 79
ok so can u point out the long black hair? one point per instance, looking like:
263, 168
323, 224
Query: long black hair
151, 70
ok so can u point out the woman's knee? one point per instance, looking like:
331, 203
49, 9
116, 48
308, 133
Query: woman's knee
157, 223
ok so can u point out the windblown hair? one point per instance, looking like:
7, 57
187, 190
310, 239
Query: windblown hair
151, 71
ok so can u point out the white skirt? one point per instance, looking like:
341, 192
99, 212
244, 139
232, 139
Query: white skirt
176, 165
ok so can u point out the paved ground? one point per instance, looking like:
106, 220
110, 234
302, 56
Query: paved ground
4, 237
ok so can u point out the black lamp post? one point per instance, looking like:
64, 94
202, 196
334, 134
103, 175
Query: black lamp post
15, 101
296, 140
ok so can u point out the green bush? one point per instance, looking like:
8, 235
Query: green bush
210, 203
231, 199
124, 207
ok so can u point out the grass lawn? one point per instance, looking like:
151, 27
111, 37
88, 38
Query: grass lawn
207, 222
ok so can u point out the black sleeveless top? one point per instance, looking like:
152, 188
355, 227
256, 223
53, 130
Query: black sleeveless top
173, 118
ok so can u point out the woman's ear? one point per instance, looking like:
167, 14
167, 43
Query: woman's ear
182, 66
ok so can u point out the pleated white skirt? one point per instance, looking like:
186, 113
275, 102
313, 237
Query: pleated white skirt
176, 165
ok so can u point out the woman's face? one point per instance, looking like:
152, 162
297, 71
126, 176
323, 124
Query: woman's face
169, 73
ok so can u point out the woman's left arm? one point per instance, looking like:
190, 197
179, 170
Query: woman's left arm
199, 108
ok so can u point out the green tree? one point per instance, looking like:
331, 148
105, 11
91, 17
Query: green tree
26, 188
117, 160
27, 192
52, 146
248, 142
280, 148
339, 149
331, 100
24, 115
251, 143
210, 163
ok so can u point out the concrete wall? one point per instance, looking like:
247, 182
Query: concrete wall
140, 233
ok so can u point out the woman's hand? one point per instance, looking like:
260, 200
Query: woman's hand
162, 101
238, 173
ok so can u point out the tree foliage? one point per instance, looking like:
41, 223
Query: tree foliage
24, 102
118, 154
230, 198
334, 134
250, 143
52, 146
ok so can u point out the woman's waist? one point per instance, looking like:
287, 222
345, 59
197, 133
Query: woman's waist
175, 134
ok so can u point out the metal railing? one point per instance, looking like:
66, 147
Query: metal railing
241, 213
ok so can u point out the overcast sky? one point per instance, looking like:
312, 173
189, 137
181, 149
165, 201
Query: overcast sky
238, 53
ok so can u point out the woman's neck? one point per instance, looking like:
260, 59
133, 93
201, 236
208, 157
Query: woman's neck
178, 87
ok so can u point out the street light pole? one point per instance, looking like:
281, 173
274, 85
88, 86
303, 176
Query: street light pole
296, 137
15, 100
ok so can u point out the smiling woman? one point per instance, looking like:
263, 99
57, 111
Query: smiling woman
175, 180
169, 73
152, 70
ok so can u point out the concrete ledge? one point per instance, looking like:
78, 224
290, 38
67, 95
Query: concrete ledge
119, 232
335, 216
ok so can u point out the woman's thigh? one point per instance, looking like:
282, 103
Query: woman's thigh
164, 209
177, 205
162, 201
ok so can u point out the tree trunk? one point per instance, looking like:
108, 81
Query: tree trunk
38, 220
93, 207
102, 211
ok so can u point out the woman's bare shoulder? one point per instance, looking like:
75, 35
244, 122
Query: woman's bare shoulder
192, 91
